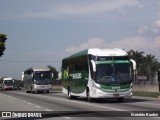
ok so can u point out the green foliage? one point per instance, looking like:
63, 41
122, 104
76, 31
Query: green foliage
3, 39
54, 71
147, 65
18, 83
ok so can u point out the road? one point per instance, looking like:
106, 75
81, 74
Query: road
55, 105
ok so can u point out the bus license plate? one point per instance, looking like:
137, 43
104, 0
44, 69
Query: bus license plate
116, 95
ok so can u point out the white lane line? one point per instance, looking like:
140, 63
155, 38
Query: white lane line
24, 101
32, 104
87, 104
37, 106
67, 118
9, 96
79, 102
47, 110
149, 103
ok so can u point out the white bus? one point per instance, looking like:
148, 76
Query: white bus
37, 79
7, 83
98, 73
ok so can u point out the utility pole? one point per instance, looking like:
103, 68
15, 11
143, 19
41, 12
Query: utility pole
159, 79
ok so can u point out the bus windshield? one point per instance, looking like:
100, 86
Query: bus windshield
42, 78
114, 73
8, 82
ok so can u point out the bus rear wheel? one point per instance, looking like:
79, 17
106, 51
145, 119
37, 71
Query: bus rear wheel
69, 94
89, 97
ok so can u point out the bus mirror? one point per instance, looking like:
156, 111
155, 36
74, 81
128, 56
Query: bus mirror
93, 65
52, 75
32, 75
134, 64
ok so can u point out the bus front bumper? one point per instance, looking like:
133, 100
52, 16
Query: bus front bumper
41, 87
101, 94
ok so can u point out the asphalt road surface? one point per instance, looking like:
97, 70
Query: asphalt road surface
56, 106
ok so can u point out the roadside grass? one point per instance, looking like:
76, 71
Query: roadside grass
147, 94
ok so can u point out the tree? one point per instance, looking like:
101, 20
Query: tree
54, 71
138, 57
150, 66
147, 65
3, 39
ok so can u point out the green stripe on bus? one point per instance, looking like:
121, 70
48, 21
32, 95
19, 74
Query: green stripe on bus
112, 61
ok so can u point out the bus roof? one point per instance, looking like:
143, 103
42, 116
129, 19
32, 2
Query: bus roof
39, 68
100, 52
7, 78
107, 52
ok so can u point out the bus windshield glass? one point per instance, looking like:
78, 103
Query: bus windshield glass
42, 78
112, 72
8, 82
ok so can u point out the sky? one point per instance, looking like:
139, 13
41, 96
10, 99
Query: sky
43, 32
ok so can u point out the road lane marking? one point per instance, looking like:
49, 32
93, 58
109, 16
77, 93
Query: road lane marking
38, 106
32, 104
69, 118
149, 103
79, 102
9, 96
24, 101
47, 110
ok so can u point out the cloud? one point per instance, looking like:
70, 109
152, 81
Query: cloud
143, 29
154, 27
81, 8
148, 45
91, 43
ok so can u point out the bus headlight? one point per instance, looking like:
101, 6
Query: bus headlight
96, 86
35, 86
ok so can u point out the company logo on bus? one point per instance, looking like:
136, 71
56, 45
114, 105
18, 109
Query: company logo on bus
76, 75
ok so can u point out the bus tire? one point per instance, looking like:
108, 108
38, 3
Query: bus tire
32, 91
88, 96
69, 94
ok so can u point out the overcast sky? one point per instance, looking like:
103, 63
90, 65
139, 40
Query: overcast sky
42, 32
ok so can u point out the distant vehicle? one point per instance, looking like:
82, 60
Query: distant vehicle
98, 73
7, 83
37, 79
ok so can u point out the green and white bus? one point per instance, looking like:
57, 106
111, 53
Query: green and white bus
98, 73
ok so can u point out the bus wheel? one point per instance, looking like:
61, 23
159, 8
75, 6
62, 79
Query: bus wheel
120, 99
32, 91
89, 97
69, 94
